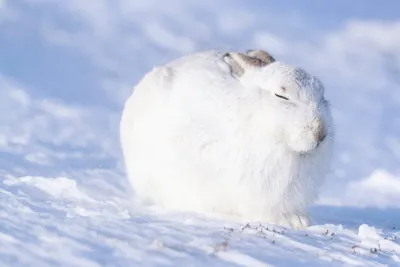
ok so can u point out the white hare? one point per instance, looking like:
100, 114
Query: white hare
237, 134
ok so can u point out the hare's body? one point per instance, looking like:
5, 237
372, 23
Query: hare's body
196, 139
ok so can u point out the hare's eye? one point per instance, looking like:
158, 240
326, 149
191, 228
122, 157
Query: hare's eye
281, 96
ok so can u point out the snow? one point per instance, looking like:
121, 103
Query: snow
55, 222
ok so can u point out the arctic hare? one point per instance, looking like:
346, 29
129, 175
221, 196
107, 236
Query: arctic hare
237, 134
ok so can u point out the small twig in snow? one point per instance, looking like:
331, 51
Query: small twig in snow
220, 246
373, 250
246, 226
354, 248
229, 229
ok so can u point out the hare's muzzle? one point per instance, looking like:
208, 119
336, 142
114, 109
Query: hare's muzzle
306, 132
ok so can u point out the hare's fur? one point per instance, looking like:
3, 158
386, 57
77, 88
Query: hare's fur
196, 138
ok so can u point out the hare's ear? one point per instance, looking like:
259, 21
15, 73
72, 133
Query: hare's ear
261, 55
239, 63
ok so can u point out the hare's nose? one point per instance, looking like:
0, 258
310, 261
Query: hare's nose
320, 132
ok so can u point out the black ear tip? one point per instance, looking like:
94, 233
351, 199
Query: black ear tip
226, 57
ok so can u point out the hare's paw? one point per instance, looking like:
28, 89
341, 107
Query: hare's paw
296, 221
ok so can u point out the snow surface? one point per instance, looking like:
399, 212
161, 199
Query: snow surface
53, 222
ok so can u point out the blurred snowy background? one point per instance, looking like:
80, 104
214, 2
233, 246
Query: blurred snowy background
66, 68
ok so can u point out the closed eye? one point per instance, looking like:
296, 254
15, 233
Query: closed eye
281, 96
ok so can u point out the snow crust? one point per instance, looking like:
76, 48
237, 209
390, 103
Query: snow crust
55, 222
